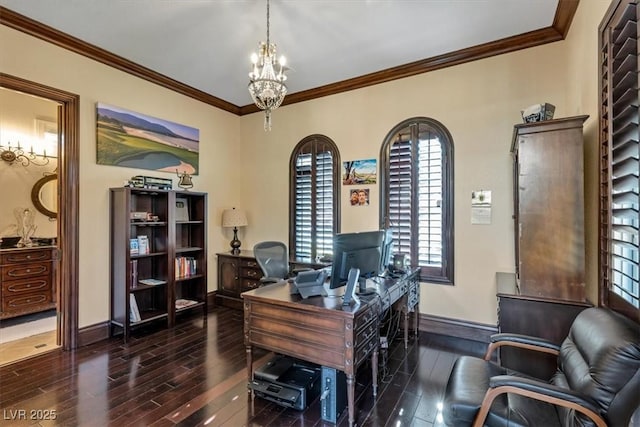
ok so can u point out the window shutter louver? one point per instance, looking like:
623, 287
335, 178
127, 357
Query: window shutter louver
619, 134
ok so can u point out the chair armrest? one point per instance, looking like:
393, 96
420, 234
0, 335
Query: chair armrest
538, 390
521, 341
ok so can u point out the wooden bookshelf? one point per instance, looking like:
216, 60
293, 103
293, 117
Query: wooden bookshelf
174, 228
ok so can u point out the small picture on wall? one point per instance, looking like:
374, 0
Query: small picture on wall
359, 197
358, 172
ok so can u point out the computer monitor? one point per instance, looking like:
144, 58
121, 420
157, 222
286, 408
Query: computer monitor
356, 250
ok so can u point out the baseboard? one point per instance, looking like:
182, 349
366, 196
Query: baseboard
93, 333
456, 328
211, 300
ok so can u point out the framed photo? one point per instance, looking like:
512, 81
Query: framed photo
359, 197
182, 209
358, 172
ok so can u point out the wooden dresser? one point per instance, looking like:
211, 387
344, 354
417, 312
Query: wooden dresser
27, 279
237, 273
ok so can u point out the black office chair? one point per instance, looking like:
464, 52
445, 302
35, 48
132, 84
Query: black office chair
273, 259
597, 380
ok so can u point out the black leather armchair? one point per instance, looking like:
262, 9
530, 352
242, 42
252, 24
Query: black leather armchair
597, 382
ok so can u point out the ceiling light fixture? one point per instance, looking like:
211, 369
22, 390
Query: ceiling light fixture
265, 86
16, 154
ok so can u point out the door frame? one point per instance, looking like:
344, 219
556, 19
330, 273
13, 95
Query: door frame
68, 202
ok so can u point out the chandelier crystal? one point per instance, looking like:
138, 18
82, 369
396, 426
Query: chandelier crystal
266, 86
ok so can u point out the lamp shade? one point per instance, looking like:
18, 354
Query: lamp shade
234, 218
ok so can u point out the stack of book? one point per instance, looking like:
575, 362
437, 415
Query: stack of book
185, 267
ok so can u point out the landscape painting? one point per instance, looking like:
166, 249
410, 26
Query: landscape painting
357, 172
134, 140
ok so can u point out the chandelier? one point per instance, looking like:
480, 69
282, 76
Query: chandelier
267, 87
16, 154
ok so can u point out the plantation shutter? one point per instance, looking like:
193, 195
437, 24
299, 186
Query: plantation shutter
413, 198
324, 203
315, 199
303, 206
619, 134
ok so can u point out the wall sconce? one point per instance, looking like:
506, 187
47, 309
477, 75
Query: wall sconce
16, 154
234, 218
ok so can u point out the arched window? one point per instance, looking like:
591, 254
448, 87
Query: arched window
416, 193
314, 197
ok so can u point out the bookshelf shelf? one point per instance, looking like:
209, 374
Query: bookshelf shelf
173, 247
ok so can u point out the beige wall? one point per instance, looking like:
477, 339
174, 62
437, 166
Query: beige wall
244, 166
582, 93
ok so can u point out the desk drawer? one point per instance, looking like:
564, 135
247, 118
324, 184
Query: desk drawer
20, 257
21, 271
363, 350
366, 333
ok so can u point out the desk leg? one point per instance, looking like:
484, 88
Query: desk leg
406, 328
249, 368
374, 370
351, 391
416, 320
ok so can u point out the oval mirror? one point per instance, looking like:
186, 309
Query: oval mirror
44, 195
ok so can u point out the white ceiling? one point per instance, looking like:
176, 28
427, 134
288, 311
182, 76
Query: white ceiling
206, 44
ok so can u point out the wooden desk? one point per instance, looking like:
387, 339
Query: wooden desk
320, 330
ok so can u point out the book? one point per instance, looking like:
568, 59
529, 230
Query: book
134, 272
182, 209
152, 282
143, 245
133, 247
183, 303
134, 312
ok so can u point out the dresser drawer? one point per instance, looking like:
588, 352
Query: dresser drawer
251, 263
23, 271
20, 256
22, 286
248, 284
24, 302
250, 273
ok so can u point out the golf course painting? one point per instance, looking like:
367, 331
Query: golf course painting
134, 140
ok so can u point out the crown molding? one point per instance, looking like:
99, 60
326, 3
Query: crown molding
556, 32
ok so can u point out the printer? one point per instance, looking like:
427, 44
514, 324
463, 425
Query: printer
287, 381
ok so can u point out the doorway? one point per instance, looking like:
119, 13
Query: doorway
66, 244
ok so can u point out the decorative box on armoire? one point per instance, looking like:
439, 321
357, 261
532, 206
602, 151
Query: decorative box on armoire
548, 174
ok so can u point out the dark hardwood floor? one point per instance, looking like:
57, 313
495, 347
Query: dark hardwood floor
195, 375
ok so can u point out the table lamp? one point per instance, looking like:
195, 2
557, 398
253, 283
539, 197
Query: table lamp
234, 218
